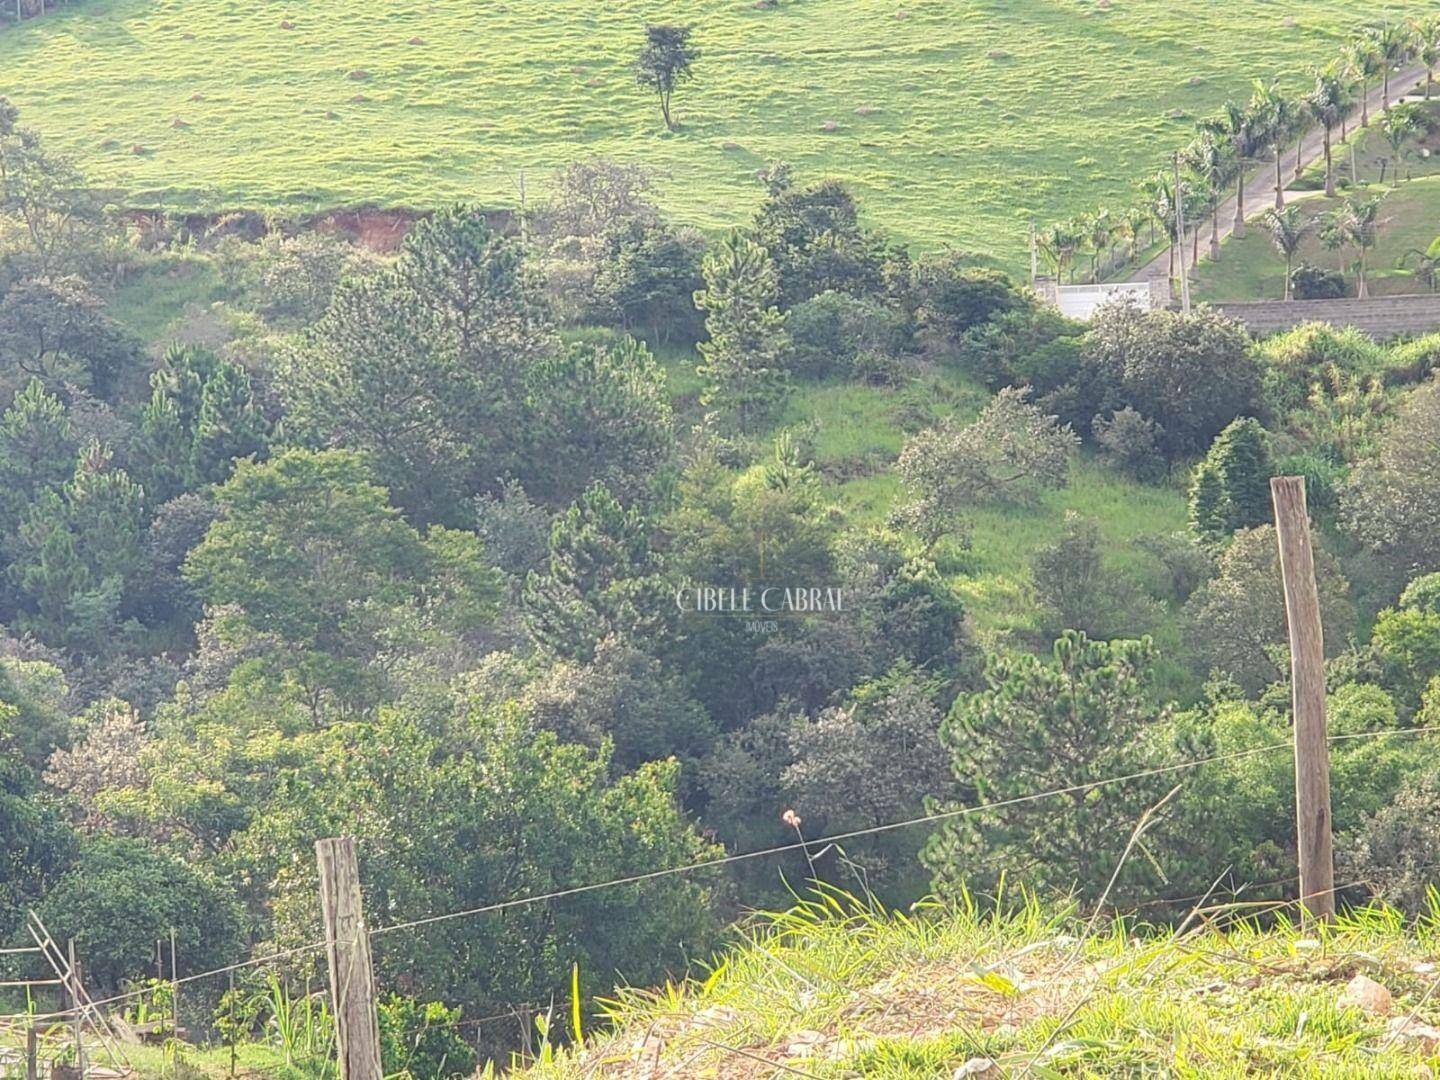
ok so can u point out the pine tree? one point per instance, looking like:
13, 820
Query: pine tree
744, 359
105, 513
229, 426
37, 452
1208, 512
1230, 488
161, 451
1241, 454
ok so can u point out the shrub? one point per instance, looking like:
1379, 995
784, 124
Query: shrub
1395, 848
951, 297
833, 331
1131, 443
121, 896
1309, 282
1423, 594
1296, 359
1323, 475
1412, 361
1076, 591
1231, 486
1192, 374
423, 1041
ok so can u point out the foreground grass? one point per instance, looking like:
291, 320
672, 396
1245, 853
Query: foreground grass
955, 123
834, 989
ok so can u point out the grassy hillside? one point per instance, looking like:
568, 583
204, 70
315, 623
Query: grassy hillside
954, 121
840, 992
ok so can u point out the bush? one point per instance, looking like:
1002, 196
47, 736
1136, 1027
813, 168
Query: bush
1192, 374
834, 333
1423, 594
1030, 346
1395, 848
1077, 591
1309, 282
1323, 475
1231, 486
422, 1042
1296, 359
121, 896
951, 297
1412, 361
1131, 443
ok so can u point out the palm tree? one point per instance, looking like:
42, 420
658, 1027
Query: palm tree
1134, 221
1098, 231
1238, 127
1274, 116
1059, 245
1326, 105
1209, 155
1365, 62
1427, 46
1288, 229
1393, 42
1427, 263
1355, 223
1399, 126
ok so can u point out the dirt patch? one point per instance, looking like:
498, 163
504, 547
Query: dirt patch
374, 230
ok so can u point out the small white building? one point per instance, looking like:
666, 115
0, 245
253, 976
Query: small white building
1080, 301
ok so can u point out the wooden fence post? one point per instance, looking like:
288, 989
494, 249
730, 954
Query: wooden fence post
77, 1016
1307, 688
352, 978
32, 1053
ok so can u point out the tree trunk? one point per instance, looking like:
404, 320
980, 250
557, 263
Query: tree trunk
1238, 226
1194, 246
1362, 292
1279, 183
1289, 261
1299, 148
1385, 90
1215, 231
665, 110
1364, 103
1329, 169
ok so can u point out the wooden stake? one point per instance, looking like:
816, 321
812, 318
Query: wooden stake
1307, 684
79, 1020
352, 977
174, 992
32, 1054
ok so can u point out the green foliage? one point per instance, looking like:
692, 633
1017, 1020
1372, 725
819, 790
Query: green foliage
1084, 714
1230, 488
601, 579
422, 1042
37, 451
598, 415
743, 364
58, 331
814, 239
320, 573
1075, 590
1192, 374
833, 333
664, 62
121, 896
951, 297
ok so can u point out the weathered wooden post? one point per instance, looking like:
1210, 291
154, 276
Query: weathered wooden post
77, 1016
1307, 688
347, 944
32, 1053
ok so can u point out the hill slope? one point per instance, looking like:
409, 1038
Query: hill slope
954, 121
835, 991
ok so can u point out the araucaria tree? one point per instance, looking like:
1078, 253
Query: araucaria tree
743, 366
664, 61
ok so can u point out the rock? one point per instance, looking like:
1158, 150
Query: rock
980, 1068
804, 1043
1365, 994
1426, 1037
286, 24
421, 41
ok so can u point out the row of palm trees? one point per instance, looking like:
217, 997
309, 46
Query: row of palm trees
1245, 134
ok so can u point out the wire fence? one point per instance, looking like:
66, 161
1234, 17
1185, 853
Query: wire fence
136, 1002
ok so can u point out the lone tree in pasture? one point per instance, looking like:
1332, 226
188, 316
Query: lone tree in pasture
1288, 229
1354, 224
665, 61
1326, 104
